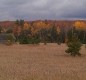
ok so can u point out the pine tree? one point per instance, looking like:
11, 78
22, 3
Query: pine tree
17, 22
74, 46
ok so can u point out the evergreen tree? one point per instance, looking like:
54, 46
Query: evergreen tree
74, 46
17, 22
51, 34
43, 35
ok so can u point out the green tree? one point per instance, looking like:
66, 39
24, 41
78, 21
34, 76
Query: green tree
74, 46
23, 38
17, 22
54, 34
42, 34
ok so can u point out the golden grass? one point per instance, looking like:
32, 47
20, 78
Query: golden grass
41, 62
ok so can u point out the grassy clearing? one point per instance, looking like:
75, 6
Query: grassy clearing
41, 62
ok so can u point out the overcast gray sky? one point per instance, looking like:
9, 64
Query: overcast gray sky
42, 9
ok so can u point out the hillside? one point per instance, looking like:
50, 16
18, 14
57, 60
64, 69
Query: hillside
60, 23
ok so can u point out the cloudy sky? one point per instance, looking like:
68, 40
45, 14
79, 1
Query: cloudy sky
42, 9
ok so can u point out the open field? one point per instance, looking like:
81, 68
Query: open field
40, 62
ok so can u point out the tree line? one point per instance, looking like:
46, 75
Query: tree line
36, 32
42, 32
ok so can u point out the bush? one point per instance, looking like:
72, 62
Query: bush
28, 40
23, 40
33, 40
10, 39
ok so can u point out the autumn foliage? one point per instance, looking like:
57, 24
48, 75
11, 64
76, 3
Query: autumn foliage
80, 25
44, 30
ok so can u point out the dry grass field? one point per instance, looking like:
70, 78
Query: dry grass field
41, 62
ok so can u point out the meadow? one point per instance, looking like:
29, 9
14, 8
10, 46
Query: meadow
41, 62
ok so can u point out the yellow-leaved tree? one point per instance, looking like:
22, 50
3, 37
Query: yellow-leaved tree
38, 26
26, 26
80, 25
58, 30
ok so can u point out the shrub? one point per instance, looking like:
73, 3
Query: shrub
23, 40
33, 40
28, 40
10, 39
